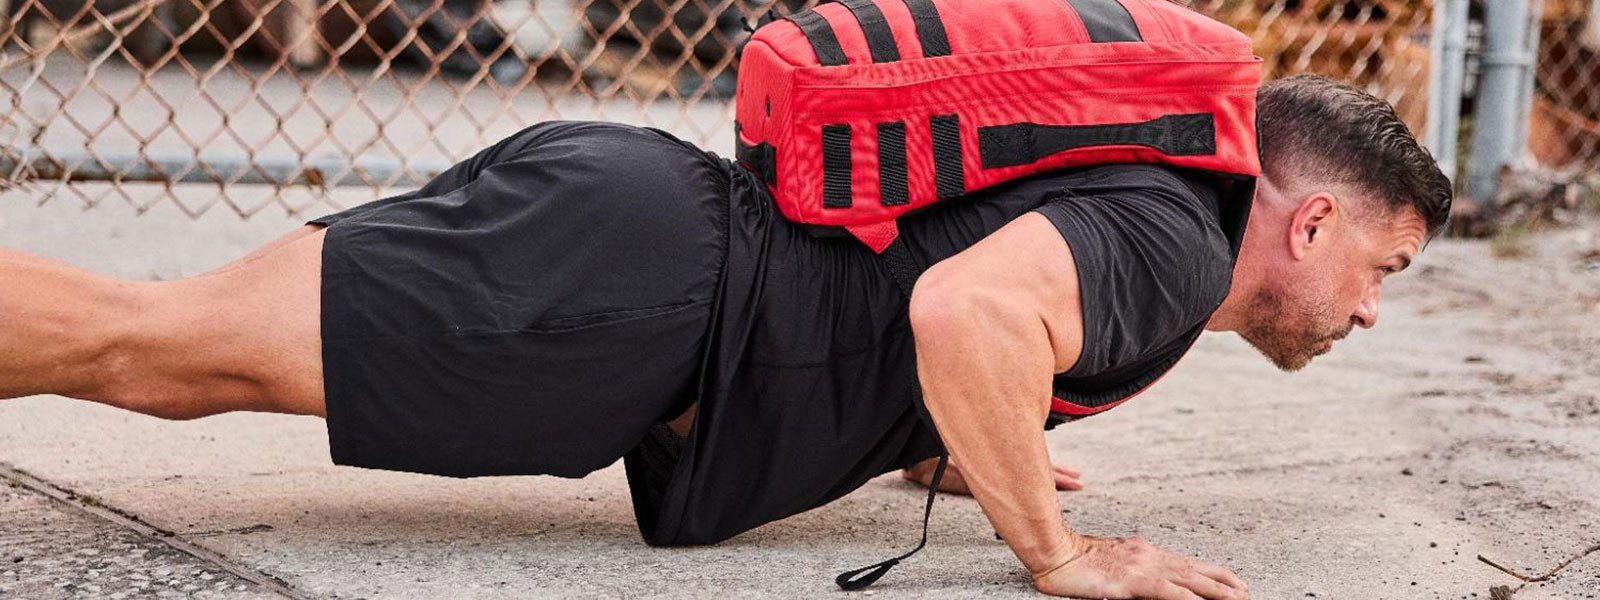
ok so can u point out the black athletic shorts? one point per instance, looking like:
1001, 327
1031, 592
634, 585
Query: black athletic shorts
533, 310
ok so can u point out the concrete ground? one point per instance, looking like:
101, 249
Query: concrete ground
1466, 424
51, 550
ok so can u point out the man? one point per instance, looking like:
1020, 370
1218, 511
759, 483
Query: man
581, 292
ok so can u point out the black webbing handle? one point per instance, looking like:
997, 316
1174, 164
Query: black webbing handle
761, 159
902, 266
859, 578
1025, 143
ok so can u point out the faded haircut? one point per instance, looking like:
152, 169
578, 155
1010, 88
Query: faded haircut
1320, 130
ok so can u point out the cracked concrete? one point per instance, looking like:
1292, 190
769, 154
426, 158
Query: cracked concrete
48, 550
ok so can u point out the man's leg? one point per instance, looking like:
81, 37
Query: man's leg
243, 337
267, 248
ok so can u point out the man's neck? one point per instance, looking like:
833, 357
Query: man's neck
1232, 314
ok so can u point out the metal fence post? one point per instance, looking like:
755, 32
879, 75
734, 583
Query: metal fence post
1530, 46
1500, 96
1446, 79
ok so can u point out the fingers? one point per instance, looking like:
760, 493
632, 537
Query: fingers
1168, 590
1067, 478
1223, 575
910, 474
1190, 584
920, 472
1188, 579
954, 483
1209, 588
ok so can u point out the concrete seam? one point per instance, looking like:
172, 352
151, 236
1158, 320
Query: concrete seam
94, 507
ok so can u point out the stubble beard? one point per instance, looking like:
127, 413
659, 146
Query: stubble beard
1290, 331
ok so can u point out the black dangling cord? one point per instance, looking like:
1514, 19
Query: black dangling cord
903, 268
849, 581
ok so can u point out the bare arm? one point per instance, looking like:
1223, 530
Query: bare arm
985, 355
992, 325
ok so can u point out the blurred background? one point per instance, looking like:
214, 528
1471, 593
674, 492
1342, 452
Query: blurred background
158, 139
278, 103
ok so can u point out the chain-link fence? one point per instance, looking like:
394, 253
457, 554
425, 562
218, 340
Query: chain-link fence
1564, 127
275, 102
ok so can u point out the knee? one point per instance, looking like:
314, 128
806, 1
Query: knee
106, 354
161, 407
128, 384
142, 366
173, 399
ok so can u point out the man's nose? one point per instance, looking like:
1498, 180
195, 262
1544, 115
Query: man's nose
1366, 315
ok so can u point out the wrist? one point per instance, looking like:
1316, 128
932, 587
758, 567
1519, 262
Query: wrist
1068, 547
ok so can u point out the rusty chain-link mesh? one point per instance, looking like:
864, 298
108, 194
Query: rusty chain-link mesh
275, 102
1379, 45
1564, 127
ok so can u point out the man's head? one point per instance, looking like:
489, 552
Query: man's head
1347, 197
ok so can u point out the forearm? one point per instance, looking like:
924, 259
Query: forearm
990, 415
1009, 474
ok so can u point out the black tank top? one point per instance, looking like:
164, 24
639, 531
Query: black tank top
809, 385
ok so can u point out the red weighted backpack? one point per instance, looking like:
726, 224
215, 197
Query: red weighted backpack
857, 112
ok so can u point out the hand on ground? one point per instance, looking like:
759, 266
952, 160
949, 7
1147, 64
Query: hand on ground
1067, 478
1131, 568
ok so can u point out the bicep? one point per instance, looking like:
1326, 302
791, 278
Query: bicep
1025, 270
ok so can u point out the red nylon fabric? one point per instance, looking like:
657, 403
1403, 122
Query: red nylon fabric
1011, 61
1076, 411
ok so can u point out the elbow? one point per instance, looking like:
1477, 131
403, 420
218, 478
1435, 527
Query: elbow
937, 301
945, 304
952, 308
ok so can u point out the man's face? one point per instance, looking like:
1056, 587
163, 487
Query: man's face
1326, 273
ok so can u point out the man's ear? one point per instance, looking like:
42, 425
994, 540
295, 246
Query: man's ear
1311, 222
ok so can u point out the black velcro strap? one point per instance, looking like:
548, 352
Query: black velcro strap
836, 166
859, 578
892, 185
820, 34
880, 38
1107, 21
1023, 143
761, 159
930, 29
947, 169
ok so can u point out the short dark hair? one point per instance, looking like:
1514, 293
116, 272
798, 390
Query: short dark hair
1331, 132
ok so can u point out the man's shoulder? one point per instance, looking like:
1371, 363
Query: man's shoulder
1175, 206
1152, 257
